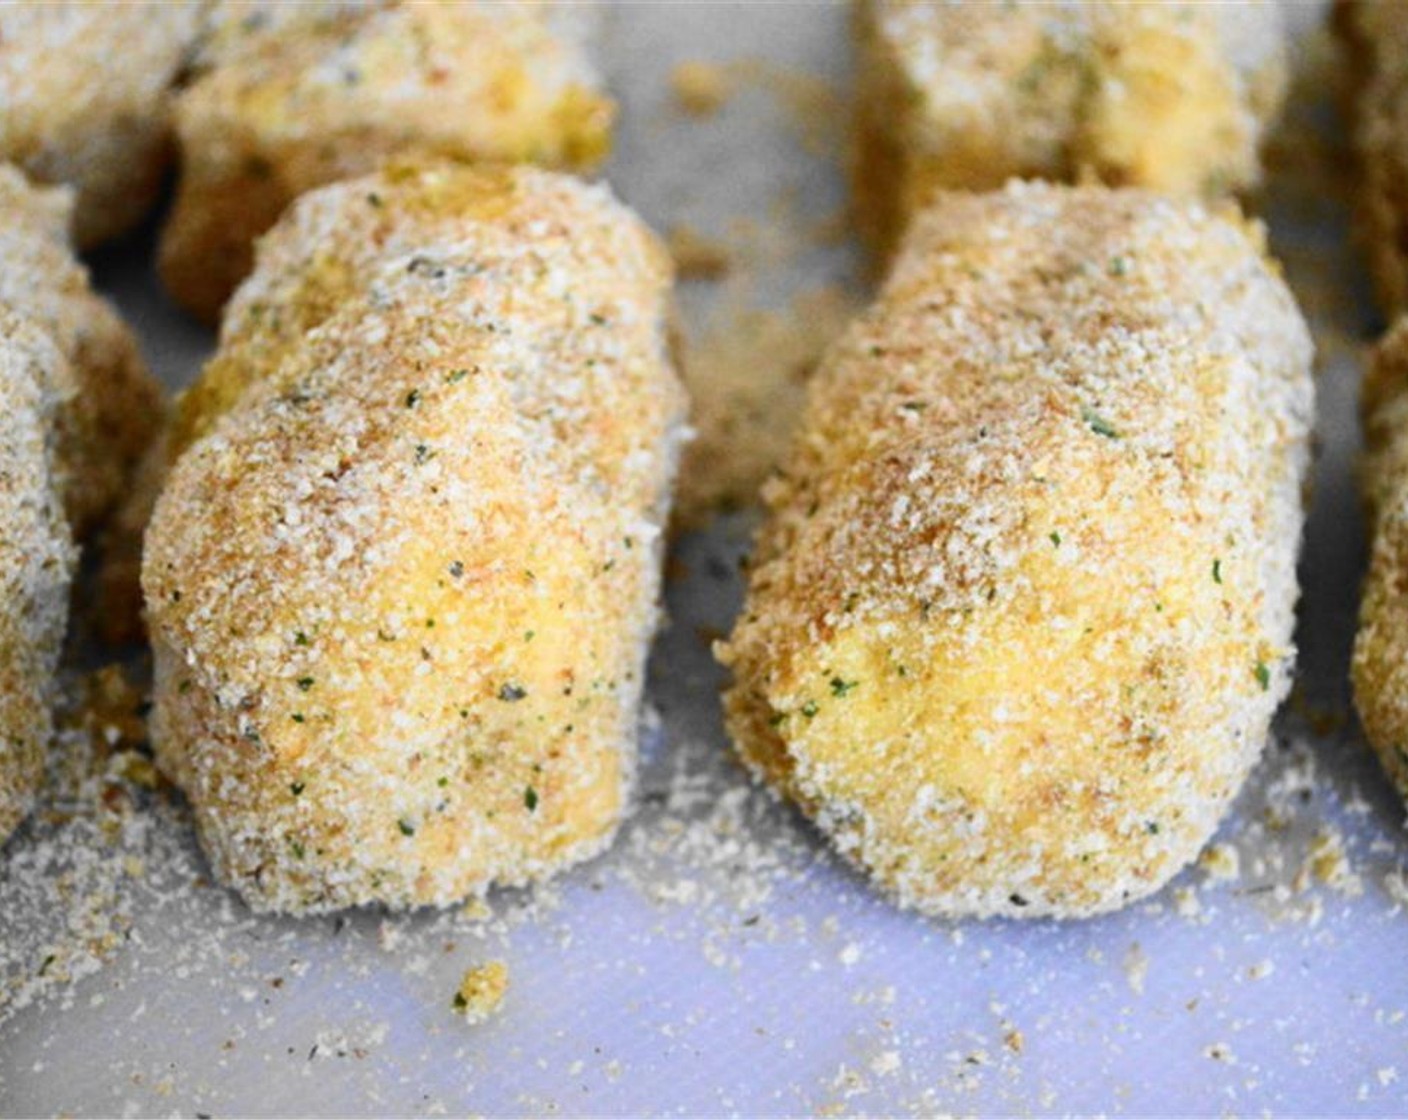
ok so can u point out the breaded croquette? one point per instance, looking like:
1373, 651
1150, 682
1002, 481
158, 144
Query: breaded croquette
1380, 664
109, 405
1376, 38
84, 88
1172, 96
36, 558
403, 575
1022, 611
80, 409
278, 106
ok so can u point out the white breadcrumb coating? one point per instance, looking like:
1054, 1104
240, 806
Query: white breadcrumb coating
1176, 97
84, 88
401, 586
36, 558
1375, 36
286, 98
80, 409
1380, 665
1022, 612
109, 405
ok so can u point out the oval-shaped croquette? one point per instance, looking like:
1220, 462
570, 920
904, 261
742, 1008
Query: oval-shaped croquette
84, 90
109, 406
401, 585
1174, 96
286, 98
1022, 611
1379, 669
36, 559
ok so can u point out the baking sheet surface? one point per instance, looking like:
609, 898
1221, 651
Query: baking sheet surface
718, 960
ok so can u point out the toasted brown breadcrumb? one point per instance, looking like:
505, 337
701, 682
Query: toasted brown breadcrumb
1022, 612
403, 576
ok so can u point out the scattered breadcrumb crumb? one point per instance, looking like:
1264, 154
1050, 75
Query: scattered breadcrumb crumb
697, 257
481, 991
1329, 864
1220, 861
819, 111
701, 88
1136, 968
1186, 903
1396, 887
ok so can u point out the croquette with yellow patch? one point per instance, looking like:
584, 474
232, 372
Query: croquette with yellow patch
277, 106
403, 575
1021, 613
1172, 96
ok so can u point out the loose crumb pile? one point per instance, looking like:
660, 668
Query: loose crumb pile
71, 879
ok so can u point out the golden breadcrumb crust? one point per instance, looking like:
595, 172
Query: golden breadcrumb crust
109, 405
288, 98
85, 93
1375, 36
403, 576
1171, 96
1022, 612
36, 558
